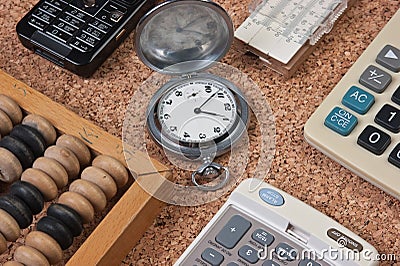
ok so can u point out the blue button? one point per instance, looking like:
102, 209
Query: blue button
358, 100
341, 121
271, 196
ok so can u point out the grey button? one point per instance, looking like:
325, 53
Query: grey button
233, 231
286, 252
232, 264
375, 79
212, 256
270, 263
263, 237
248, 253
389, 57
308, 262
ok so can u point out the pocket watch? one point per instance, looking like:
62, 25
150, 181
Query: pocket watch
195, 115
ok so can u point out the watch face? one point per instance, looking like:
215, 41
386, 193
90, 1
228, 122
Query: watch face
197, 111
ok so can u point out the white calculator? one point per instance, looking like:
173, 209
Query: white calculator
358, 124
262, 225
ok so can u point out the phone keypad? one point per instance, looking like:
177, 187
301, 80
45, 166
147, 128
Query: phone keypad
81, 28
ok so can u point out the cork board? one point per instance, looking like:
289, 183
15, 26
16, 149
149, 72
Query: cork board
297, 168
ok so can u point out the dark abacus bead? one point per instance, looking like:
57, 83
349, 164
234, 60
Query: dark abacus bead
19, 149
68, 216
30, 137
17, 209
57, 230
29, 194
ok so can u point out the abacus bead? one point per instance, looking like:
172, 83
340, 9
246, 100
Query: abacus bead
91, 192
31, 137
79, 203
29, 194
19, 149
53, 169
57, 230
10, 167
79, 148
100, 178
42, 182
17, 209
13, 263
66, 158
8, 226
30, 256
47, 245
68, 216
3, 243
5, 124
113, 167
11, 108
42, 125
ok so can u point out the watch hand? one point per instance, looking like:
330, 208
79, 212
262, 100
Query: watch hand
211, 113
193, 31
209, 98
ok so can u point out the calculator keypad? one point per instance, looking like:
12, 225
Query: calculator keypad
81, 28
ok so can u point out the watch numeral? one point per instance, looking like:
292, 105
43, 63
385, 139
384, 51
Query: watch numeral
202, 136
169, 101
217, 129
167, 116
227, 107
208, 89
178, 93
221, 95
225, 119
186, 135
173, 128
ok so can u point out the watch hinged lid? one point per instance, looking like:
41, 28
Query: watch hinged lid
183, 36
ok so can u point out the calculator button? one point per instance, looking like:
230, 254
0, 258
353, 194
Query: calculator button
389, 57
286, 252
233, 231
94, 32
394, 156
341, 121
270, 263
81, 46
263, 237
100, 25
308, 262
389, 118
396, 96
232, 264
71, 20
50, 9
375, 79
374, 140
37, 23
43, 16
248, 253
212, 256
358, 100
59, 34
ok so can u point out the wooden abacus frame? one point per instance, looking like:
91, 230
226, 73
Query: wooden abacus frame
129, 218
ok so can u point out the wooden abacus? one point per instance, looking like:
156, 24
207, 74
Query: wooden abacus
126, 222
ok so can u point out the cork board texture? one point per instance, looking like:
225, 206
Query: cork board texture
297, 168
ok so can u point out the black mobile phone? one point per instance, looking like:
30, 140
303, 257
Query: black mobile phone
79, 35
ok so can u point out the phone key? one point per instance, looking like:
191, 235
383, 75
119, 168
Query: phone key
396, 96
394, 156
233, 231
358, 100
100, 25
248, 253
105, 17
81, 46
71, 20
87, 38
375, 79
58, 4
374, 140
50, 9
77, 13
111, 6
389, 118
116, 15
37, 23
59, 34
212, 256
65, 27
43, 16
94, 32
389, 57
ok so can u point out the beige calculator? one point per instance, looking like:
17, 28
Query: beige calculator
262, 225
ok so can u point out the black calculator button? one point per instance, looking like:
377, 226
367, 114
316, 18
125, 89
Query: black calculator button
263, 237
50, 9
389, 118
374, 140
65, 27
87, 38
394, 156
77, 13
396, 96
81, 46
270, 263
100, 25
286, 252
93, 32
233, 231
389, 57
105, 17
308, 262
71, 20
43, 16
37, 23
212, 256
59, 34
375, 79
248, 253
